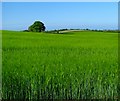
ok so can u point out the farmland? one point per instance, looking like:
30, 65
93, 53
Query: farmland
72, 65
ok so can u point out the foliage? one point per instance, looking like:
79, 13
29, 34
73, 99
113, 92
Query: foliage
37, 27
25, 31
53, 31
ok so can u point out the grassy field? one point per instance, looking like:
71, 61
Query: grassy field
73, 65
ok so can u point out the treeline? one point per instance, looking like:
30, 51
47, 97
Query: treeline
96, 30
57, 31
115, 31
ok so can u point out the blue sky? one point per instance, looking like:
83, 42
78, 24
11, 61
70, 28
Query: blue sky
99, 15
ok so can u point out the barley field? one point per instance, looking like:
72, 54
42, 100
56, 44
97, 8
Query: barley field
72, 65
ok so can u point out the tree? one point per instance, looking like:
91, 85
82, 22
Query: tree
37, 27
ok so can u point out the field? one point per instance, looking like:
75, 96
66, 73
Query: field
73, 65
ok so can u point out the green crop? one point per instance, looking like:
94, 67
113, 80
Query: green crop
73, 65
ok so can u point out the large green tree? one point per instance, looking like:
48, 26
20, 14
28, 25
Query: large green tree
38, 26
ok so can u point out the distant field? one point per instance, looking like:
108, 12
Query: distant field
69, 31
73, 65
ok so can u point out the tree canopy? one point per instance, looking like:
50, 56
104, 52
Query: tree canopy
38, 26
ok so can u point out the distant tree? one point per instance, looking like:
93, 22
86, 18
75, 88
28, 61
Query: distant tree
38, 26
87, 29
25, 31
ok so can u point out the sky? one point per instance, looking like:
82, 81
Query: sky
58, 15
60, 0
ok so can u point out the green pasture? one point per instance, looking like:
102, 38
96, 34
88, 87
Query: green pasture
71, 65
